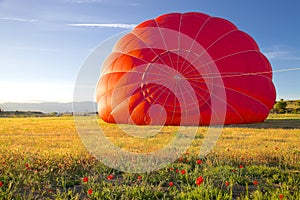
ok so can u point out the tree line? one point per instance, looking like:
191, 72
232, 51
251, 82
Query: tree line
283, 106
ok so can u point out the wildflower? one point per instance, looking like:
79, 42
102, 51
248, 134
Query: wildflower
182, 171
27, 166
1, 183
139, 178
242, 158
276, 148
241, 166
109, 177
177, 171
171, 184
199, 180
199, 162
255, 182
281, 196
50, 191
90, 191
180, 159
85, 179
171, 169
187, 153
227, 183
187, 160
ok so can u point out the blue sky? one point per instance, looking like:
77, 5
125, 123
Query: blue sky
41, 51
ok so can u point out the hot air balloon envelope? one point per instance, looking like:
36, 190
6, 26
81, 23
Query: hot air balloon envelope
185, 69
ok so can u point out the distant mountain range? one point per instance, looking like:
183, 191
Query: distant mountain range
48, 107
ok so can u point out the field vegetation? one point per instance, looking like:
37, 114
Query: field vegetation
44, 158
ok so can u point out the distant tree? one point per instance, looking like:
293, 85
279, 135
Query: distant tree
280, 106
53, 113
0, 110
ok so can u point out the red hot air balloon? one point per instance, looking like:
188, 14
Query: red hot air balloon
185, 69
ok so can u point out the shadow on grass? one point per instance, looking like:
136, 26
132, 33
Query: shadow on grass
271, 123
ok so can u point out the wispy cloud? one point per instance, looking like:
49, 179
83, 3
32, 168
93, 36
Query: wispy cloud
40, 49
36, 49
280, 53
135, 4
84, 1
123, 26
19, 19
99, 1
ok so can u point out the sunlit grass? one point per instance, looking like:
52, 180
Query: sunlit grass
45, 158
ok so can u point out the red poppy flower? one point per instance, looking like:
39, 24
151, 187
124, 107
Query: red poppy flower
90, 191
177, 171
199, 180
171, 184
27, 166
182, 171
227, 183
242, 158
241, 166
171, 169
180, 159
255, 182
199, 162
281, 196
187, 160
85, 179
139, 178
109, 177
1, 183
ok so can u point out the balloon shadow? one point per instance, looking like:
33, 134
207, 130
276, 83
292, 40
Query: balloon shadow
271, 123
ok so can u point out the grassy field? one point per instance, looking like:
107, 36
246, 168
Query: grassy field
43, 158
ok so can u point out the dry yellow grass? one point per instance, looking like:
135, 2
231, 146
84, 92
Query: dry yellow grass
266, 142
40, 135
45, 158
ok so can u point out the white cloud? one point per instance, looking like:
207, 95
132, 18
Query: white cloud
135, 4
27, 48
124, 26
101, 1
19, 19
279, 52
84, 1
276, 54
281, 55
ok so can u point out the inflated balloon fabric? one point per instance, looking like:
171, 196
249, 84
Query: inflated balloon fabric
185, 69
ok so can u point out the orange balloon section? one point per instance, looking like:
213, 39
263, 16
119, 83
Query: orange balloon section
179, 69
